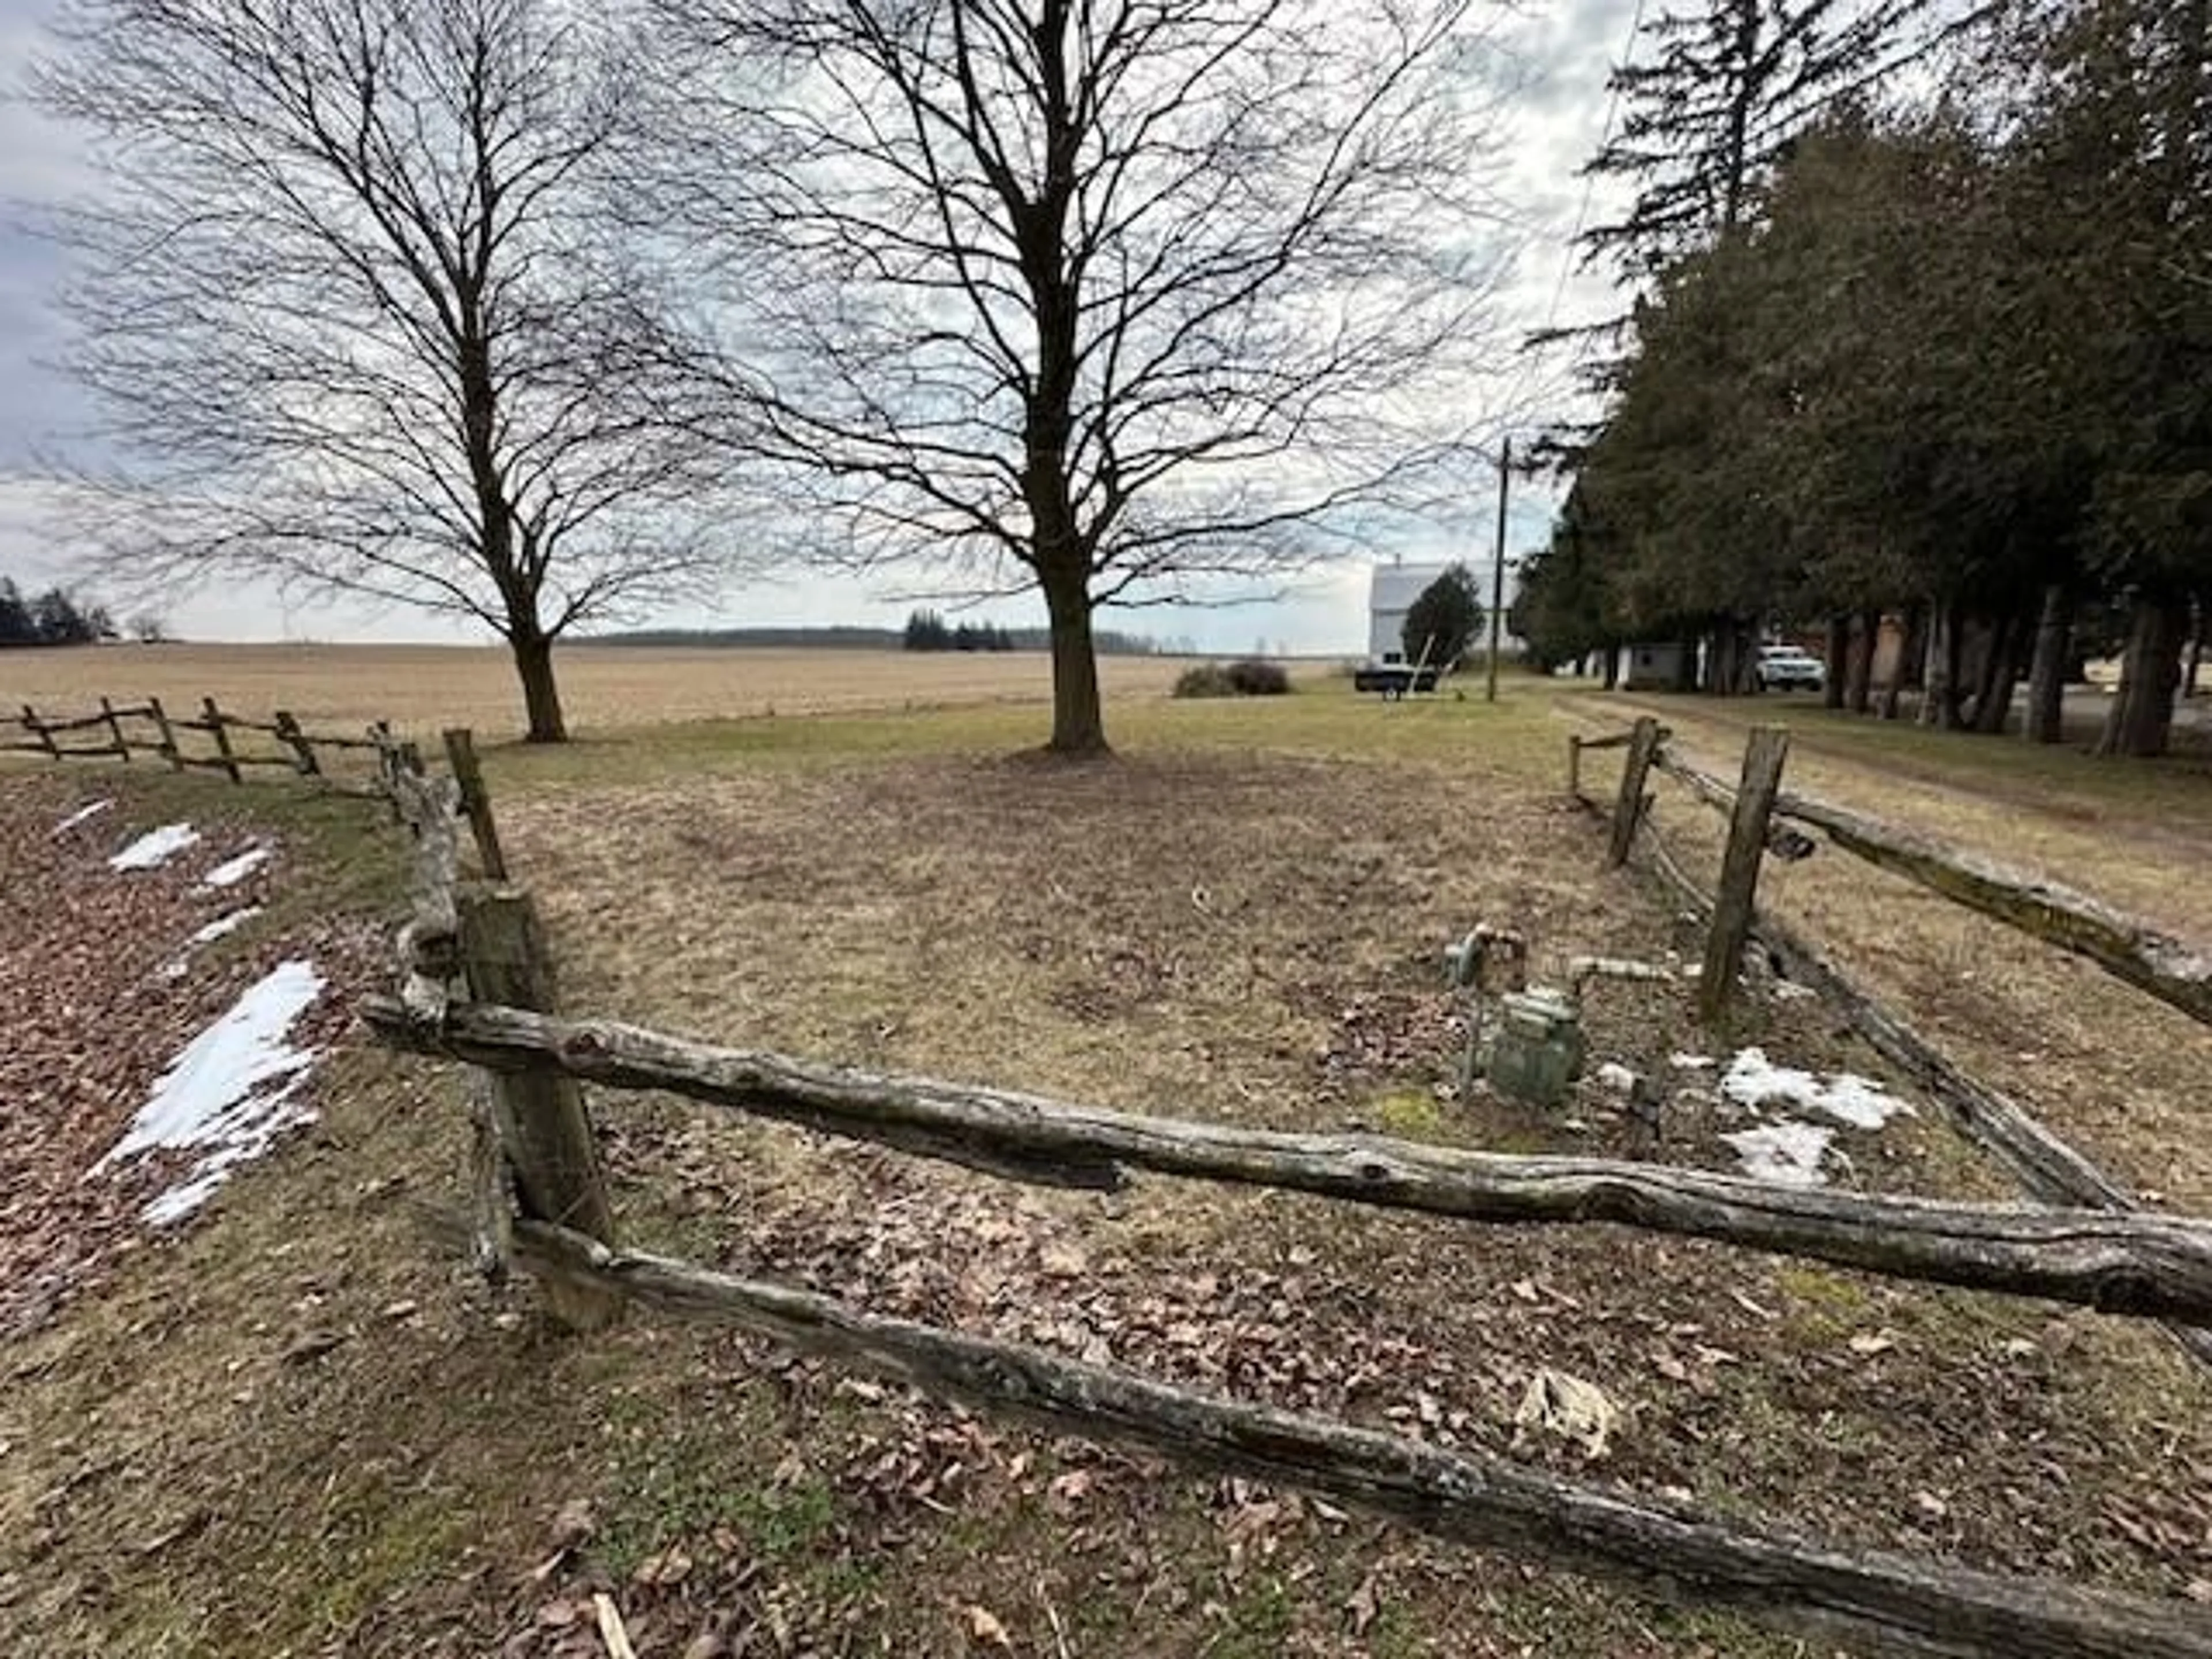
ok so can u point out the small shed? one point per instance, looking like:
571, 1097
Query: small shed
1654, 666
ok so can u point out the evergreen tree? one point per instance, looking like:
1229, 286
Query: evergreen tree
1444, 620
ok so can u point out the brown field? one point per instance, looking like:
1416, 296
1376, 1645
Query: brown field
298, 1427
421, 688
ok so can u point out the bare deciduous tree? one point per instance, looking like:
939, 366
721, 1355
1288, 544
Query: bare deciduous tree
1099, 297
349, 317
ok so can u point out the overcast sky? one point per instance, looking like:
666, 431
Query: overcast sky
1568, 47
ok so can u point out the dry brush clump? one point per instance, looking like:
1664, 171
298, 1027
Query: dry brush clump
1252, 676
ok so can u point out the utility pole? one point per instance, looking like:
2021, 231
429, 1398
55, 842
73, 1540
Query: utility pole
1497, 567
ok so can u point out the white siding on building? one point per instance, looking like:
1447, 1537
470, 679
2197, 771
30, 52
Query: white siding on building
1394, 587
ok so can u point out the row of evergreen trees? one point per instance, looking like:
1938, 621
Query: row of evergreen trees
925, 630
1945, 361
53, 617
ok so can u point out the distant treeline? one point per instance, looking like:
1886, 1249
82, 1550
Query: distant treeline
927, 631
873, 639
54, 617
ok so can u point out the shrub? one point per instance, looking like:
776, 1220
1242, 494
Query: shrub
1249, 678
1204, 679
1254, 678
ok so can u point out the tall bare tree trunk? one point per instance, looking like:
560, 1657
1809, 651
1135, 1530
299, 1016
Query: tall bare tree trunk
2046, 721
1939, 703
1839, 646
2141, 719
1686, 665
1909, 647
1079, 726
2000, 674
1858, 672
541, 696
2196, 620
1612, 668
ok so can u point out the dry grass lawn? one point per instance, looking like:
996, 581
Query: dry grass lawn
1239, 920
421, 688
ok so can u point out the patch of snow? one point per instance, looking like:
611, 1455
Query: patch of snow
230, 1091
225, 924
92, 810
1788, 990
1690, 1062
1787, 1153
1614, 1075
233, 872
1755, 1080
155, 847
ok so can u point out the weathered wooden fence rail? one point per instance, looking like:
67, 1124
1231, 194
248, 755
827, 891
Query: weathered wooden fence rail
539, 1202
2137, 1264
149, 729
2139, 952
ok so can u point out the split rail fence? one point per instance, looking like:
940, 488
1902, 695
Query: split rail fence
1762, 817
475, 987
219, 742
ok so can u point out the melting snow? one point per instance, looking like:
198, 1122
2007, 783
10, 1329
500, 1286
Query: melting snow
91, 810
155, 847
225, 924
1691, 1062
229, 1093
1755, 1081
1787, 1153
236, 870
1614, 1075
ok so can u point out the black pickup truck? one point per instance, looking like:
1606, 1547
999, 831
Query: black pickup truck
1395, 679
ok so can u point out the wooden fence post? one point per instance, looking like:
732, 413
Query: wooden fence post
169, 749
1739, 885
289, 734
37, 729
1629, 807
1574, 766
541, 1116
461, 754
222, 737
387, 767
115, 730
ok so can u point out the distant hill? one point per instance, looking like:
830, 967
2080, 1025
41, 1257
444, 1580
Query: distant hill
1109, 643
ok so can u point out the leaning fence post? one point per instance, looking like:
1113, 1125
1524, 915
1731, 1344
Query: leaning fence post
115, 729
1739, 885
222, 737
289, 734
541, 1116
37, 728
461, 755
169, 749
1629, 807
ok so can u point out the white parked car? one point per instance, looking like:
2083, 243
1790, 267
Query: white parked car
1788, 668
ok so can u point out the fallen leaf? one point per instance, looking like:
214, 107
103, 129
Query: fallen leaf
1868, 1346
984, 1626
1364, 1604
1570, 1408
312, 1346
670, 1566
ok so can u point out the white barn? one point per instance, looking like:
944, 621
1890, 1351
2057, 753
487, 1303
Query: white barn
1394, 587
